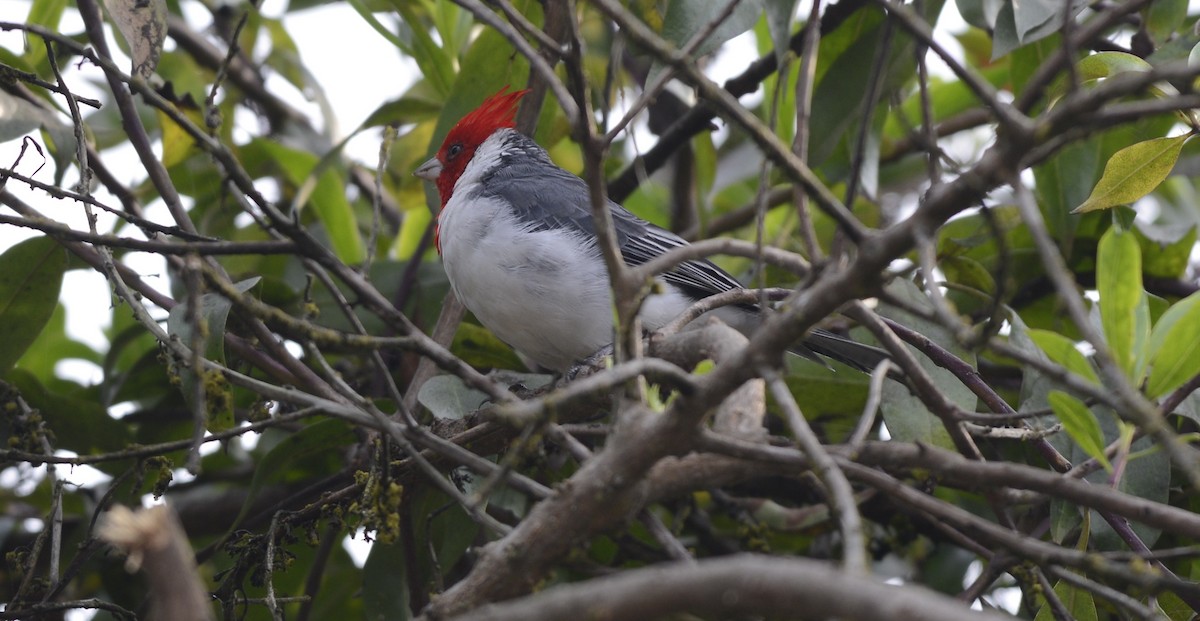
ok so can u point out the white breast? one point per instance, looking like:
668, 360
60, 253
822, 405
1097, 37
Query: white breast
533, 289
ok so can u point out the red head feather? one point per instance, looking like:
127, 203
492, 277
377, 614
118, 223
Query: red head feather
496, 112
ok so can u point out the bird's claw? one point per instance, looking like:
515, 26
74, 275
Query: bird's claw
595, 362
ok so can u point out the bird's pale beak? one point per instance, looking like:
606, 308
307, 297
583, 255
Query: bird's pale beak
429, 170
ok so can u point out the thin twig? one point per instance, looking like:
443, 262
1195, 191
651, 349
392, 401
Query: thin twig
840, 494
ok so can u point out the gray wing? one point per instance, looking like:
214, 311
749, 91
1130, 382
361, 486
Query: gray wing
548, 197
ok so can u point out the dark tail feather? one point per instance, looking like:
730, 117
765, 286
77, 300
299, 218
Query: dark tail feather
851, 353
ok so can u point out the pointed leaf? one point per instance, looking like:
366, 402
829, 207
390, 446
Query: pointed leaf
684, 20
1163, 18
1029, 14
1119, 282
327, 195
31, 275
77, 419
1166, 258
1173, 607
143, 23
317, 446
435, 61
447, 396
1077, 601
1062, 350
779, 22
1079, 423
1107, 64
1134, 172
53, 345
17, 117
1021, 23
907, 418
385, 583
214, 311
48, 14
1173, 355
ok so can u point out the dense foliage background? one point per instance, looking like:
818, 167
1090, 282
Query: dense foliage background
1019, 214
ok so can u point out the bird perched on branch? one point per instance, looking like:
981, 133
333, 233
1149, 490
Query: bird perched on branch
519, 245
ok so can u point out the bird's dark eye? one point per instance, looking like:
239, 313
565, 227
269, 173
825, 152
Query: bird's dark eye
453, 151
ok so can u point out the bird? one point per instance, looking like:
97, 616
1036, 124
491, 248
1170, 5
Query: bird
518, 243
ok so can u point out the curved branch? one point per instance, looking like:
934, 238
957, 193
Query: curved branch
734, 586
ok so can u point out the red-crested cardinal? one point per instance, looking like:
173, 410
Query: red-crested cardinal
518, 242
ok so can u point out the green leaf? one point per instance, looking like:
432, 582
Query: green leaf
1108, 64
1146, 477
435, 61
1119, 282
1063, 182
1020, 23
31, 274
1028, 15
1079, 423
77, 419
446, 396
46, 13
407, 109
365, 12
834, 394
966, 271
1174, 608
1077, 601
843, 75
385, 583
684, 20
1164, 18
779, 22
1026, 59
214, 311
1134, 172
443, 524
19, 117
453, 25
52, 346
328, 197
128, 344
1173, 356
906, 416
146, 382
285, 55
980, 14
1062, 350
478, 347
412, 231
1166, 259
441, 532
947, 99
1064, 516
316, 447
